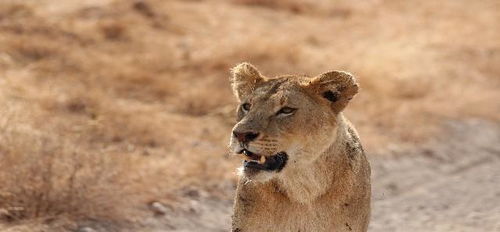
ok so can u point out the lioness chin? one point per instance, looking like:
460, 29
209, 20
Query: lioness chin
304, 167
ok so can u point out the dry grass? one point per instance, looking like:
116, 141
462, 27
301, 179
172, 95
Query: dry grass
101, 84
50, 178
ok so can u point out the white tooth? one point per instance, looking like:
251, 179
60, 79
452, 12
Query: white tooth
262, 160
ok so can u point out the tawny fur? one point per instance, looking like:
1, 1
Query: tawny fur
325, 185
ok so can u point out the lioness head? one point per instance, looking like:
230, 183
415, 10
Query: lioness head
287, 121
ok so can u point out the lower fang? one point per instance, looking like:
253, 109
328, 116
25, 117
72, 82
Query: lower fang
262, 160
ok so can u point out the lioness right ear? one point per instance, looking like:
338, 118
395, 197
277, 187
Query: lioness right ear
337, 87
244, 80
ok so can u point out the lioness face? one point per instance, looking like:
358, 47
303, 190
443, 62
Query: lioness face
285, 122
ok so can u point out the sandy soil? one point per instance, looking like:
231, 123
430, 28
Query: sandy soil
451, 184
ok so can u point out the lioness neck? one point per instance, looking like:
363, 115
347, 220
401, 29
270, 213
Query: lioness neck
304, 184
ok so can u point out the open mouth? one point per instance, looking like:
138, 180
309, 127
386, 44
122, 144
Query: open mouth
274, 162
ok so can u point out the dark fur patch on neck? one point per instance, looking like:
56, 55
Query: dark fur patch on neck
331, 96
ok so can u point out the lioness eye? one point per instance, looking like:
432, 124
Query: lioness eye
246, 107
286, 111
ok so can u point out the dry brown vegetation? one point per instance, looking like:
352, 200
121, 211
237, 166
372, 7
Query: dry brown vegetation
131, 98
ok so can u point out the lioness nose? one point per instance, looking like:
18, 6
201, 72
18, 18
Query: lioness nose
245, 137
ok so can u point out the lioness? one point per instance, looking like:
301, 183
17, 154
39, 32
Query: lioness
304, 168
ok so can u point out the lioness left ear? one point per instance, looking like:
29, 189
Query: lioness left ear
338, 87
244, 80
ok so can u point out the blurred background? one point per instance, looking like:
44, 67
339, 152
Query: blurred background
115, 114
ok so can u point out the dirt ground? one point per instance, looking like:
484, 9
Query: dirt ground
449, 184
